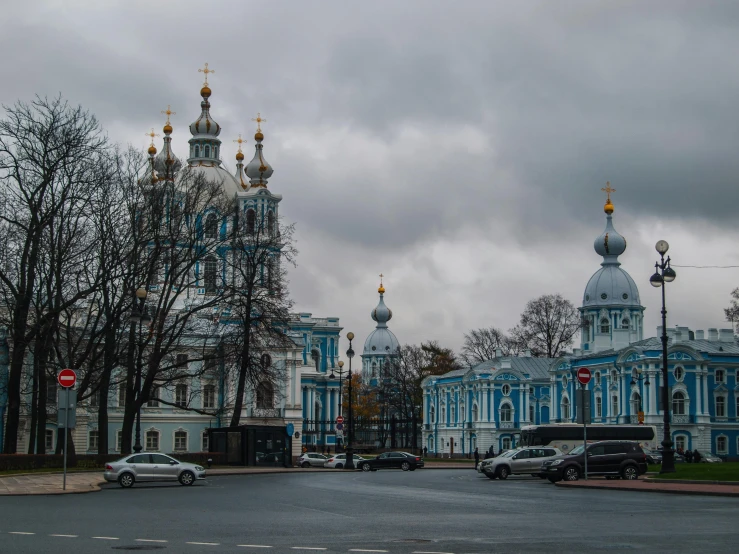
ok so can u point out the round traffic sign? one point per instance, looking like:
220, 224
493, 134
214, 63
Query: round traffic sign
583, 375
340, 419
66, 378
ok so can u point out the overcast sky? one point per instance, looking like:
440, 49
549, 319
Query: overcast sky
459, 148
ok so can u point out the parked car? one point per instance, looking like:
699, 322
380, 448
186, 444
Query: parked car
526, 460
610, 458
338, 461
653, 456
710, 459
392, 460
151, 467
312, 459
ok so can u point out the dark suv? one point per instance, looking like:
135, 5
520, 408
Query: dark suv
610, 458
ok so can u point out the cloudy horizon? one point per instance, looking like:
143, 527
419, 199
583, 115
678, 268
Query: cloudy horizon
458, 149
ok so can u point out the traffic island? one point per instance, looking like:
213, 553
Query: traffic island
655, 485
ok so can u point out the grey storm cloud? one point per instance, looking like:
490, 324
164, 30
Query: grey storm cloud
405, 132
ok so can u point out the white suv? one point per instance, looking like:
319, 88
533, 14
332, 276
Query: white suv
520, 461
312, 459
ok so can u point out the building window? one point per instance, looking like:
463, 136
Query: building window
598, 406
215, 152
453, 413
720, 376
506, 412
211, 267
211, 226
180, 395
506, 390
614, 376
722, 445
121, 395
605, 326
625, 324
93, 440
432, 413
681, 442
720, 406
265, 395
119, 440
250, 221
565, 381
505, 443
152, 440
209, 396
532, 412
51, 398
207, 151
153, 401
678, 403
679, 373
94, 400
49, 440
204, 442
180, 441
197, 151
597, 377
181, 360
614, 405
271, 223
565, 408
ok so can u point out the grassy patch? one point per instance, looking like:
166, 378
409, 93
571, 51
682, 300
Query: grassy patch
726, 471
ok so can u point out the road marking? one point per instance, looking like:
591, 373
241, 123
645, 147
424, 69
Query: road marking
254, 545
107, 538
70, 536
428, 552
19, 533
306, 548
149, 540
204, 543
362, 550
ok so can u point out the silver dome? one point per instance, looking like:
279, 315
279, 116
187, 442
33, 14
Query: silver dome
611, 286
381, 341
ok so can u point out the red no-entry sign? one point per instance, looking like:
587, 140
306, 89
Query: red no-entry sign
66, 378
583, 375
340, 419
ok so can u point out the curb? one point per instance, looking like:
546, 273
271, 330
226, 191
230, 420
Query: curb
692, 482
664, 491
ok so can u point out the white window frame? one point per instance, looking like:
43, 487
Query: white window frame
683, 410
90, 445
684, 439
716, 379
598, 406
122, 395
506, 389
49, 433
180, 395
679, 377
506, 405
725, 400
209, 389
204, 444
175, 438
158, 434
153, 401
726, 444
118, 440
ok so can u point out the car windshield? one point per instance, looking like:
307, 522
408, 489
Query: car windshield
577, 450
509, 453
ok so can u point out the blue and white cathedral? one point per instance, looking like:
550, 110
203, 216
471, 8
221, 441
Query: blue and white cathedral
486, 405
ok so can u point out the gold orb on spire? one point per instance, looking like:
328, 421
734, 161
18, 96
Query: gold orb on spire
239, 154
259, 119
381, 290
608, 208
205, 91
152, 149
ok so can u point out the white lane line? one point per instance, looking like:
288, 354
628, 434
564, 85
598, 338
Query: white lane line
362, 550
149, 540
254, 545
69, 536
307, 548
107, 538
19, 533
430, 552
204, 543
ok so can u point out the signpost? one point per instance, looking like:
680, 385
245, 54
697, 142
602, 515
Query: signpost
340, 419
583, 377
66, 379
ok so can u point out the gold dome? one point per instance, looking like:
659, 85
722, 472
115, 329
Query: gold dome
152, 150
239, 156
167, 129
608, 208
381, 290
205, 91
259, 136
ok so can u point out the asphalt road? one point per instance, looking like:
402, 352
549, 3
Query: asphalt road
426, 511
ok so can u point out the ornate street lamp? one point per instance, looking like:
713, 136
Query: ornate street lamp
139, 315
350, 422
664, 274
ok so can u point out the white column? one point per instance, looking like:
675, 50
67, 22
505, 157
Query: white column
527, 401
706, 411
623, 395
554, 401
698, 394
521, 417
483, 402
653, 387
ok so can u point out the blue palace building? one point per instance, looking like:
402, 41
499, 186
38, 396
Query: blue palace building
486, 405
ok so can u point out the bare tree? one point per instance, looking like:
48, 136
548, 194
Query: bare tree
732, 312
548, 325
482, 344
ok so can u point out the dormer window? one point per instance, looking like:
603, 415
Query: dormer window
719, 376
207, 151
625, 324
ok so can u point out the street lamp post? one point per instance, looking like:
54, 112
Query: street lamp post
138, 315
664, 274
350, 422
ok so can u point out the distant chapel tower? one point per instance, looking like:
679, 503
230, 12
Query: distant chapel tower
381, 345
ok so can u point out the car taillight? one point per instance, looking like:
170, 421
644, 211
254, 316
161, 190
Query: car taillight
108, 466
330, 460
418, 459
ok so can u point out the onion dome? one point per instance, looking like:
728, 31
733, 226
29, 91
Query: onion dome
610, 244
258, 169
204, 144
381, 340
240, 164
382, 314
166, 163
205, 125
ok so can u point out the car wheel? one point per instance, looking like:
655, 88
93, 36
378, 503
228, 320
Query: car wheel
405, 466
366, 467
503, 472
126, 480
339, 466
630, 473
571, 474
305, 464
187, 478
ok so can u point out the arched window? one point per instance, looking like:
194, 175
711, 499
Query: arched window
215, 152
614, 376
250, 221
432, 414
474, 412
625, 324
271, 223
597, 377
152, 440
211, 226
453, 413
209, 274
180, 441
374, 369
197, 151
565, 408
681, 442
678, 403
598, 406
722, 445
265, 395
635, 403
605, 326
207, 151
505, 444
506, 412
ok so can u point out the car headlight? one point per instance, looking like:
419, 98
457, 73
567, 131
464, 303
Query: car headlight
198, 468
557, 462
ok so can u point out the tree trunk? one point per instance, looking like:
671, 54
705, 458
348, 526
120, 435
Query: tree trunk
103, 392
34, 407
243, 370
129, 413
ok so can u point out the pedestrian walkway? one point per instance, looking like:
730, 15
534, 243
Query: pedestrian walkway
655, 485
51, 483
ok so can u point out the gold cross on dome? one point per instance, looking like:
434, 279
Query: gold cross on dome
240, 141
608, 190
151, 134
169, 112
259, 119
206, 71
381, 276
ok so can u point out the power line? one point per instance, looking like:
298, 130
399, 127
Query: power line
707, 266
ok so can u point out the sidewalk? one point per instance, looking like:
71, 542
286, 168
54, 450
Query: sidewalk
51, 483
655, 485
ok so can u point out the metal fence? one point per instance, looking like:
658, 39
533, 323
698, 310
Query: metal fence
370, 434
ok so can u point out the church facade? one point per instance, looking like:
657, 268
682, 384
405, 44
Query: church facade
487, 405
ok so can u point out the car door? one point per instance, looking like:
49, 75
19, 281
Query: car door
615, 454
597, 459
163, 468
383, 460
142, 467
520, 461
396, 459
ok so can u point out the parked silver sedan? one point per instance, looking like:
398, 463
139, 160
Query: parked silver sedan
151, 467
